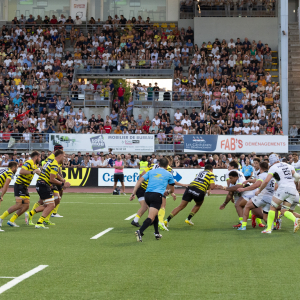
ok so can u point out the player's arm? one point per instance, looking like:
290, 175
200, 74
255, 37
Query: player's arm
252, 187
141, 179
232, 188
264, 183
53, 180
25, 171
182, 184
5, 187
253, 180
296, 175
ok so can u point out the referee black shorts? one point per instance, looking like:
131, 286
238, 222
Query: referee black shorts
118, 177
153, 199
192, 193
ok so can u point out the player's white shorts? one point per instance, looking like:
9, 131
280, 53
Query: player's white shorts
288, 194
263, 201
248, 195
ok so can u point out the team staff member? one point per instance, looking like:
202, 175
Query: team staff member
43, 186
196, 191
296, 164
6, 175
158, 180
119, 175
21, 188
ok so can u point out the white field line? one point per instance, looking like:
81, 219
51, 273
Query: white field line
18, 279
97, 203
6, 277
131, 217
101, 233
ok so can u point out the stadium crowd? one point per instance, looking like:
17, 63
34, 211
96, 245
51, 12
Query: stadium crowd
106, 160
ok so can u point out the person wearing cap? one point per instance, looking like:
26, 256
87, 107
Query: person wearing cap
56, 189
286, 196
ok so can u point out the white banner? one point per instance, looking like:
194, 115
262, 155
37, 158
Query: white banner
78, 8
131, 176
120, 143
235, 144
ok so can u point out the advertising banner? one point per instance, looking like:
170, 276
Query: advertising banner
76, 176
78, 8
235, 144
120, 143
131, 176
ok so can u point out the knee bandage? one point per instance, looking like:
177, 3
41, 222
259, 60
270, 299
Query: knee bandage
274, 204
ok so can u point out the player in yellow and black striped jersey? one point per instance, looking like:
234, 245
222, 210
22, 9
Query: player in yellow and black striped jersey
204, 181
6, 175
21, 187
57, 191
43, 186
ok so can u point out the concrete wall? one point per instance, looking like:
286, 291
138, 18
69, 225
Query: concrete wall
144, 112
264, 29
185, 23
88, 111
172, 10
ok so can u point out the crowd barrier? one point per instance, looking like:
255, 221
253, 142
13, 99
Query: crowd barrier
104, 177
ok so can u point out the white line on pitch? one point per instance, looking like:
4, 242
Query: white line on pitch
131, 217
98, 203
18, 279
6, 277
101, 233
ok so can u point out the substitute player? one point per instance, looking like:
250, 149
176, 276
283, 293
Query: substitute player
159, 179
263, 201
296, 164
6, 175
286, 195
43, 186
119, 173
21, 188
196, 191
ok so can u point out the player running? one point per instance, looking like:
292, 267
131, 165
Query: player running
57, 191
296, 164
6, 175
196, 191
158, 180
21, 188
43, 186
263, 201
286, 195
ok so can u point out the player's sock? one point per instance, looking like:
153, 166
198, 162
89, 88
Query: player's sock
290, 216
33, 212
145, 225
190, 215
241, 219
56, 209
136, 218
155, 224
14, 218
250, 214
170, 217
41, 220
271, 216
244, 224
4, 215
258, 220
161, 215
35, 205
48, 217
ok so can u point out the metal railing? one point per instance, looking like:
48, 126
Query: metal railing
248, 8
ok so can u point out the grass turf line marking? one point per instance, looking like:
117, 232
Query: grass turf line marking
131, 217
97, 203
6, 277
18, 279
101, 233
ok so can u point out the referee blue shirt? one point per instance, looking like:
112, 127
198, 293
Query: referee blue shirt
247, 170
158, 180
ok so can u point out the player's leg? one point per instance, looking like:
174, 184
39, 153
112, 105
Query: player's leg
12, 209
56, 202
115, 182
247, 209
36, 209
122, 183
275, 203
140, 194
161, 214
193, 212
55, 210
239, 206
48, 207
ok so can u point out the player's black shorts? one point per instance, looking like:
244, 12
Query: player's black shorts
118, 177
44, 190
56, 188
192, 193
153, 199
140, 193
21, 191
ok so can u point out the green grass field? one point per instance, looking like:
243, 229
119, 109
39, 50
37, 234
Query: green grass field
208, 261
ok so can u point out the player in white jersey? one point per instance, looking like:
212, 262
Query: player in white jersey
296, 165
233, 166
286, 195
259, 205
256, 162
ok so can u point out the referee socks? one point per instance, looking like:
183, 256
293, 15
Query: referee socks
145, 225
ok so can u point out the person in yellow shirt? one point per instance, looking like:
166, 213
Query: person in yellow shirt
209, 82
17, 80
118, 130
209, 46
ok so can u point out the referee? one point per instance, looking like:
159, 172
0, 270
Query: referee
158, 182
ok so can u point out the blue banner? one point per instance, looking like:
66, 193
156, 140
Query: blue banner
200, 143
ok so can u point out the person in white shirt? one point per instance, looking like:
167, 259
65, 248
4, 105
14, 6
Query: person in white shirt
286, 195
231, 88
69, 62
216, 106
178, 115
156, 120
186, 121
246, 129
254, 128
237, 129
231, 43
261, 109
